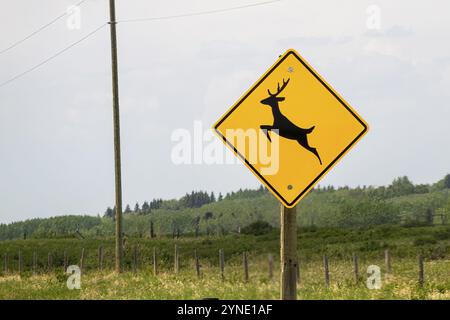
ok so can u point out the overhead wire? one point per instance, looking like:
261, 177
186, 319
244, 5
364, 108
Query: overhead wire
199, 13
52, 57
15, 44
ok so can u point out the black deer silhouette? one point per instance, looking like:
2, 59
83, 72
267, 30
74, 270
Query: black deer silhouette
285, 127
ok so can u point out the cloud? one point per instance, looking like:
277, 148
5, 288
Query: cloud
395, 31
56, 123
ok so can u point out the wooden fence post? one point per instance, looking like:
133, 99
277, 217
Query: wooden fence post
222, 263
65, 260
100, 258
356, 267
20, 262
135, 255
34, 263
327, 271
197, 263
421, 272
387, 261
270, 266
49, 262
82, 260
176, 262
155, 262
112, 259
5, 263
245, 263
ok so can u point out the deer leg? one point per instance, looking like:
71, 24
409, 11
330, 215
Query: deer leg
266, 129
314, 150
304, 143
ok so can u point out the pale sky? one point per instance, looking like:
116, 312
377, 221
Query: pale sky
56, 122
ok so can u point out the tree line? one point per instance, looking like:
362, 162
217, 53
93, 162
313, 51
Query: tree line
199, 212
194, 199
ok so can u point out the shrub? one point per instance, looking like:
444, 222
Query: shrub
437, 253
257, 228
442, 234
424, 240
371, 245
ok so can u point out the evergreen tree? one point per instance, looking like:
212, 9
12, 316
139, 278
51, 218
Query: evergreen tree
109, 213
145, 207
196, 199
447, 181
155, 204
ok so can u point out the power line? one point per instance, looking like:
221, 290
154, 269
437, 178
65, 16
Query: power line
199, 13
15, 44
120, 21
52, 57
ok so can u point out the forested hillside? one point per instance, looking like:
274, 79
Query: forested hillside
400, 203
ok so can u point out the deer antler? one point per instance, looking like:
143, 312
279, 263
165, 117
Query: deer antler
278, 88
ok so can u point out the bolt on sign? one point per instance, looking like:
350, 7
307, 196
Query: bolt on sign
290, 128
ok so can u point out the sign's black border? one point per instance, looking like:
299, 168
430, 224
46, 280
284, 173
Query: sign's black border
329, 89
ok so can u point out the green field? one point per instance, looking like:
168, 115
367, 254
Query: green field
404, 244
406, 219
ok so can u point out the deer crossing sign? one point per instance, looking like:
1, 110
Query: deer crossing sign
290, 128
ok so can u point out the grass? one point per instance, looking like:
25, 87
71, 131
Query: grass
339, 244
401, 284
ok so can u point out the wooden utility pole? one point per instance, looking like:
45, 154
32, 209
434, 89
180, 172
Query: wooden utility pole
288, 253
118, 174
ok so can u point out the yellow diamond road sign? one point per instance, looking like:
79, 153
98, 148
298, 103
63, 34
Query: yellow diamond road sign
290, 128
